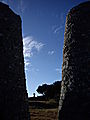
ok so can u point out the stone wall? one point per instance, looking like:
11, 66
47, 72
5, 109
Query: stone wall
13, 94
75, 89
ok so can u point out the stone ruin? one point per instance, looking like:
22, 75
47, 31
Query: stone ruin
13, 94
75, 88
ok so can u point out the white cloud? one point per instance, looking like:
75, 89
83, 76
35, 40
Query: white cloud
51, 52
29, 47
27, 62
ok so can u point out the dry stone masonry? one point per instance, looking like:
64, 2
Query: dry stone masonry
75, 89
13, 94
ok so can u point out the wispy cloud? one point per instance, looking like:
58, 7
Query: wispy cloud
58, 70
51, 52
34, 70
21, 6
58, 80
30, 45
27, 63
4, 1
57, 27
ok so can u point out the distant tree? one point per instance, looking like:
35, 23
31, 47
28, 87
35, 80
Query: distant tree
42, 89
50, 91
57, 89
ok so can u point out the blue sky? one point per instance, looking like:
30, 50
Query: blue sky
43, 24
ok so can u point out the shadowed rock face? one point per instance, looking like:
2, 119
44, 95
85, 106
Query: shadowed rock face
13, 94
75, 89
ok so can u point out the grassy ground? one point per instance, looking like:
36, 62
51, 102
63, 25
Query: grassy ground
43, 114
43, 110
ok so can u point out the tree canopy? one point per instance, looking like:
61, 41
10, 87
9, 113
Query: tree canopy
50, 91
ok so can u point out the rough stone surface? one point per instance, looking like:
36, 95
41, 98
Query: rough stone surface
13, 94
75, 88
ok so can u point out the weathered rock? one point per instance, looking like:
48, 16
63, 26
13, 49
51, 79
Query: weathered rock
13, 94
75, 89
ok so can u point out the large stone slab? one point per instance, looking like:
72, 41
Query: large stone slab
13, 94
75, 89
